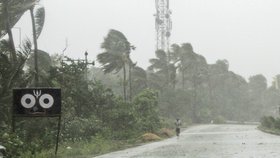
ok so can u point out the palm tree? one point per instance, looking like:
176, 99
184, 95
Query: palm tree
163, 68
116, 55
159, 65
195, 67
177, 57
186, 57
10, 13
131, 66
8, 30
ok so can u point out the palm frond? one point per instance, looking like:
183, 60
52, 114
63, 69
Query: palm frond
110, 62
27, 47
116, 42
5, 46
15, 9
39, 20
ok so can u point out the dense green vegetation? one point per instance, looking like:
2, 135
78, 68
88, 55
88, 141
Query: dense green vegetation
119, 101
270, 124
199, 92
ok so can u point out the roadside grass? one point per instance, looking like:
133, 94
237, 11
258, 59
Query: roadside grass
269, 130
98, 145
84, 149
148, 137
270, 124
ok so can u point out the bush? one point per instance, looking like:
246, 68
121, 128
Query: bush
120, 120
219, 120
146, 111
277, 123
268, 121
13, 144
81, 128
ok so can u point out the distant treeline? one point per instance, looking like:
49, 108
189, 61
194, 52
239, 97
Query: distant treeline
188, 86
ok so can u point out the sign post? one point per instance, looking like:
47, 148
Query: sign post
37, 102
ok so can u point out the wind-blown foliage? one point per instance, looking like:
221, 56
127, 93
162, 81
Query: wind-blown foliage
117, 49
160, 66
39, 20
16, 8
139, 80
182, 85
11, 75
116, 56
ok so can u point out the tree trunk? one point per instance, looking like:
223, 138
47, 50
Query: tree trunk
10, 34
130, 82
194, 110
183, 78
194, 106
124, 82
35, 47
167, 76
211, 96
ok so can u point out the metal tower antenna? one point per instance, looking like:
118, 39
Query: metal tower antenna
163, 24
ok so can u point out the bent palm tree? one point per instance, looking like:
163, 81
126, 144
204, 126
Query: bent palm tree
116, 55
10, 13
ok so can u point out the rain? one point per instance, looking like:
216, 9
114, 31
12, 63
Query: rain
139, 78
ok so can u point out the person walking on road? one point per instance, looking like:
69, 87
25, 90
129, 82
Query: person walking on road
178, 125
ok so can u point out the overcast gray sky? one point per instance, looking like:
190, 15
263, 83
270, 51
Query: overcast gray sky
245, 32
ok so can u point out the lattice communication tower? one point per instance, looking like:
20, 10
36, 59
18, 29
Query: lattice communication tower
163, 25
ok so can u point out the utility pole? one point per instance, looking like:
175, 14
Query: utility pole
85, 62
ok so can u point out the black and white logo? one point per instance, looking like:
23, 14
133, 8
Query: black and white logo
39, 101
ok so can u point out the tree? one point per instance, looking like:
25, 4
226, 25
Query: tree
184, 58
139, 80
161, 67
45, 65
222, 66
10, 13
145, 106
9, 31
194, 68
131, 65
256, 89
11, 75
257, 83
177, 56
116, 55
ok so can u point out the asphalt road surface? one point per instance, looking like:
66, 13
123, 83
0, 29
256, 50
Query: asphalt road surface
209, 141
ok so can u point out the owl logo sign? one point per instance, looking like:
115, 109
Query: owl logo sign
37, 101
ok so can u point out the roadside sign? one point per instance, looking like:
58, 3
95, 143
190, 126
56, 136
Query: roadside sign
37, 102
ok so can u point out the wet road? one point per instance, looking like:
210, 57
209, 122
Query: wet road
209, 141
